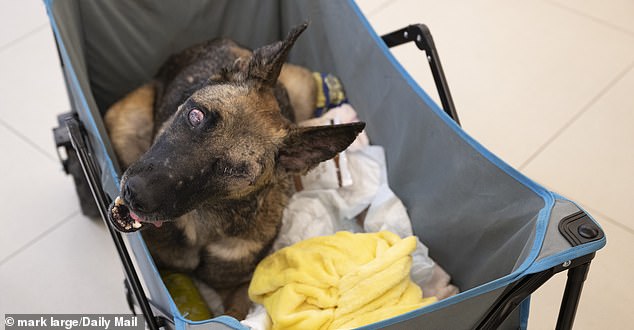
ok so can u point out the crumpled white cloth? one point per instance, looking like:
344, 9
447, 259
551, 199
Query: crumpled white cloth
322, 212
323, 209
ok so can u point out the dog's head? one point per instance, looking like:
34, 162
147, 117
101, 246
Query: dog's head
227, 141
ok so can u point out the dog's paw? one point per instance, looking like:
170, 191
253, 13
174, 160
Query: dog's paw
236, 314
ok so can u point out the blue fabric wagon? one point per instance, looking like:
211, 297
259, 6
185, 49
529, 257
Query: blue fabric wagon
499, 234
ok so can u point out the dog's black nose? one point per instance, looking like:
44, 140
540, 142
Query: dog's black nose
137, 196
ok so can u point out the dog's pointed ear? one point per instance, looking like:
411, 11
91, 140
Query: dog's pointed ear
305, 147
267, 61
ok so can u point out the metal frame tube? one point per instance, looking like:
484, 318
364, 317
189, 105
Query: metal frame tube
80, 146
420, 34
570, 301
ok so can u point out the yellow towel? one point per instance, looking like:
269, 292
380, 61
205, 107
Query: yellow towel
340, 281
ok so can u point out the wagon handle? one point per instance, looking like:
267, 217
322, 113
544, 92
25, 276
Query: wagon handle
420, 34
76, 135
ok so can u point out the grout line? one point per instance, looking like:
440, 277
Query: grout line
39, 237
617, 223
380, 7
578, 115
22, 37
28, 141
590, 17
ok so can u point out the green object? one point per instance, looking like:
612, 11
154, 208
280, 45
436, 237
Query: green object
186, 296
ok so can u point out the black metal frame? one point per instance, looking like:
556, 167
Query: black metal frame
499, 311
514, 295
420, 34
84, 155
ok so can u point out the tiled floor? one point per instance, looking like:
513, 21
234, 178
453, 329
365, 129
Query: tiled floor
546, 85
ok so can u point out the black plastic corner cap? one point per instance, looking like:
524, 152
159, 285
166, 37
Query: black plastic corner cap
579, 229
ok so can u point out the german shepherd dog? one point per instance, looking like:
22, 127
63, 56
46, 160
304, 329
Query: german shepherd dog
211, 149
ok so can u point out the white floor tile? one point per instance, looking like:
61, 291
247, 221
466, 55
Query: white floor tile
373, 6
36, 193
592, 160
518, 70
19, 18
32, 91
73, 269
616, 13
608, 295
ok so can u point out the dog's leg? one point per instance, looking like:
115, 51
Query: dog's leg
302, 91
211, 297
236, 301
130, 123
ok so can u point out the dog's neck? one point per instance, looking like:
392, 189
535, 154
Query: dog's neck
256, 216
235, 230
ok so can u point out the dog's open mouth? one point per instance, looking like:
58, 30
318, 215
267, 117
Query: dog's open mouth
124, 219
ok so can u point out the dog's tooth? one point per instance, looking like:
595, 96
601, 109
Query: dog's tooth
136, 225
118, 201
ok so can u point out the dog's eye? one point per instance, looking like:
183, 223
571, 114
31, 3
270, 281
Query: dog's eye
195, 117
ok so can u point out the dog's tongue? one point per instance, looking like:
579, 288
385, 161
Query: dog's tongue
135, 216
156, 224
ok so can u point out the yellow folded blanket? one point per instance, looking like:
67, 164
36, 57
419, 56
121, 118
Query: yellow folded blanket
340, 281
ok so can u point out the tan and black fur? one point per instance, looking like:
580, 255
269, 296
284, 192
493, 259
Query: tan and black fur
221, 184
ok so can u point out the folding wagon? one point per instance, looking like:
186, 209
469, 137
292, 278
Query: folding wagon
499, 234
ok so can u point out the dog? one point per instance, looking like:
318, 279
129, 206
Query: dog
210, 149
